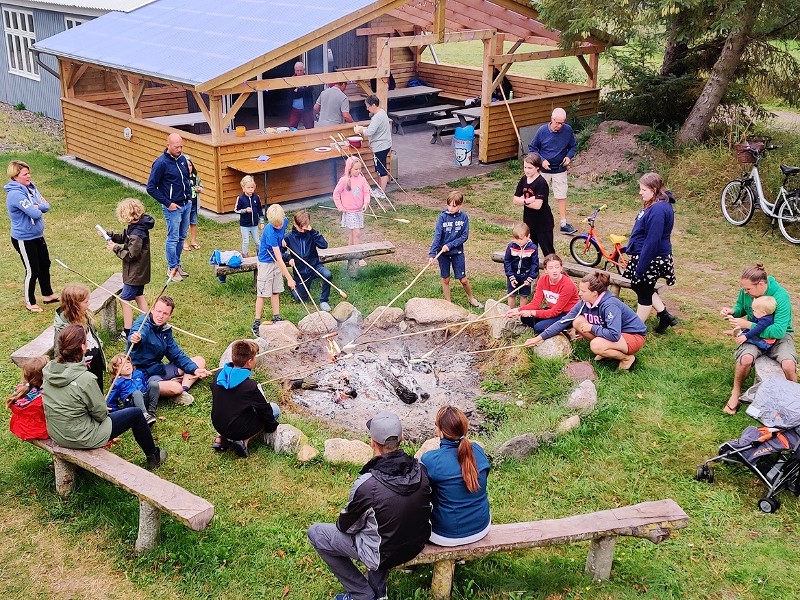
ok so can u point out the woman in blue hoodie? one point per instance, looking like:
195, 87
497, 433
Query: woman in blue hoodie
612, 328
26, 207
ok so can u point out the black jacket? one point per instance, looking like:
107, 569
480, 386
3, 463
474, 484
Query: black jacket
389, 510
134, 250
305, 245
238, 408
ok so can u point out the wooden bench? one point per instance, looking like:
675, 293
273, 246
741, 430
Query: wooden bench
352, 254
155, 495
443, 127
398, 117
101, 302
653, 521
574, 270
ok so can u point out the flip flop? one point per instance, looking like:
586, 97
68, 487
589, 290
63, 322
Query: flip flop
476, 303
51, 300
729, 410
220, 444
195, 246
34, 308
187, 248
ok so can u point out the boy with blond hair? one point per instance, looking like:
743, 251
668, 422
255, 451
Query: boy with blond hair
132, 245
764, 315
271, 266
251, 214
130, 387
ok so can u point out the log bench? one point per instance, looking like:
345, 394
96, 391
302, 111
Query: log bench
653, 521
352, 254
101, 303
155, 495
398, 117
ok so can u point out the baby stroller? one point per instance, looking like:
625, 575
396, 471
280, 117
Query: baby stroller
771, 452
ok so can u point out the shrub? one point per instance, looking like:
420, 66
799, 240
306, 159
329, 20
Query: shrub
565, 74
19, 106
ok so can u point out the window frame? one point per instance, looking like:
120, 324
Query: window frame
20, 35
76, 21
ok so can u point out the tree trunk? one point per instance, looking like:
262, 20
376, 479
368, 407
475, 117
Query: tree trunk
674, 51
721, 76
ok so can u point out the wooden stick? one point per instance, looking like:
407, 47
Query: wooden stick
431, 330
376, 183
513, 122
287, 346
399, 220
385, 308
333, 285
492, 349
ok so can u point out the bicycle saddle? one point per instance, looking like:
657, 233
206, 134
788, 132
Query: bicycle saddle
787, 170
617, 239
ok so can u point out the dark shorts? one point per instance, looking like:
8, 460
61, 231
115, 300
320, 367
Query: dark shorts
193, 212
380, 162
458, 262
523, 291
130, 292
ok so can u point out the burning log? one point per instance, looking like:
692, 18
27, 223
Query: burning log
407, 393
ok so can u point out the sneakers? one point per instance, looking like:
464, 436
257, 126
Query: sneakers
151, 420
256, 328
176, 276
156, 459
276, 318
325, 306
238, 448
122, 337
379, 193
181, 272
568, 229
185, 399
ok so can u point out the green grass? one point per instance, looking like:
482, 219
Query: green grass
649, 432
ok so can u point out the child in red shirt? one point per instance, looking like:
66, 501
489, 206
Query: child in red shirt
555, 290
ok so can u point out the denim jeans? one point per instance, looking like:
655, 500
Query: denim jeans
247, 233
133, 419
300, 289
539, 325
177, 230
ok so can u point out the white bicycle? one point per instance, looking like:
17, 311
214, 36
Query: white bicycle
739, 195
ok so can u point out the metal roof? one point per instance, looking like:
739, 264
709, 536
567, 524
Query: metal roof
99, 5
194, 42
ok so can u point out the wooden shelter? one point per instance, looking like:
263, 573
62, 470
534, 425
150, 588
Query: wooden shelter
118, 116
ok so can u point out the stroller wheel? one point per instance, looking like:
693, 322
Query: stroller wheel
769, 505
709, 474
704, 473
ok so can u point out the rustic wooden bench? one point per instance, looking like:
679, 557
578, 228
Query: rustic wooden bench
398, 117
653, 521
443, 127
101, 302
155, 495
352, 254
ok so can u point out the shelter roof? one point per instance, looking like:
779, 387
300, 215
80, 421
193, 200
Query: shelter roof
98, 5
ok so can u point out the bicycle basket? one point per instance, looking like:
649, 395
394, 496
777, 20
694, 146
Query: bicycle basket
743, 151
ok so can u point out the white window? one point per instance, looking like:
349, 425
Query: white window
20, 36
71, 22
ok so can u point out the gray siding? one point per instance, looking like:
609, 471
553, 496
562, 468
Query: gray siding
37, 96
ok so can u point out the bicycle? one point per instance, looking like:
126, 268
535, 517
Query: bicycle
738, 195
587, 250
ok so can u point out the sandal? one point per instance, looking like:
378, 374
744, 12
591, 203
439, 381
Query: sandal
195, 246
731, 410
34, 308
185, 247
220, 444
51, 299
475, 302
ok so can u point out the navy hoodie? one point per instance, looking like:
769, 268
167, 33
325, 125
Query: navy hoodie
651, 232
452, 230
609, 317
249, 219
235, 395
521, 263
304, 244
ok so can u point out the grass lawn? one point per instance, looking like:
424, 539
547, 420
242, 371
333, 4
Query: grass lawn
651, 429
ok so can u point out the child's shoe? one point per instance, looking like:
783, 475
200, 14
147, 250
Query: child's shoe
156, 459
256, 328
325, 306
151, 420
276, 318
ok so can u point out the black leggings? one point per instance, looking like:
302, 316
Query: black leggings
644, 293
133, 419
36, 260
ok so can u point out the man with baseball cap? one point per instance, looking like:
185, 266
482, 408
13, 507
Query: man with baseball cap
386, 521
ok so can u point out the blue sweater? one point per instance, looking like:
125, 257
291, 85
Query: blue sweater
169, 180
553, 146
452, 230
609, 317
651, 232
123, 388
25, 207
521, 262
157, 343
457, 513
249, 219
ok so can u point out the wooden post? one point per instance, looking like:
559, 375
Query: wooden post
489, 49
215, 112
439, 12
149, 527
442, 582
108, 315
65, 476
383, 55
601, 555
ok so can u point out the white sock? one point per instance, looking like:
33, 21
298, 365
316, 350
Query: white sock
563, 222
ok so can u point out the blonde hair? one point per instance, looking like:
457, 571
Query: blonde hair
247, 179
275, 216
15, 167
455, 198
71, 297
118, 362
32, 377
766, 304
520, 231
129, 210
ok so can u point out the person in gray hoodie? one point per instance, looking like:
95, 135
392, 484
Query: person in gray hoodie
26, 208
74, 407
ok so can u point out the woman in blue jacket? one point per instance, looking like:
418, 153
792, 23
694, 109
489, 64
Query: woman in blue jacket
650, 250
458, 472
612, 328
26, 208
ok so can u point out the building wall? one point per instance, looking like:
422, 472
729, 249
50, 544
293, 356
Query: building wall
37, 96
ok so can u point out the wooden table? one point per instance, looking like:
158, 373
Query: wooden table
412, 92
469, 116
175, 120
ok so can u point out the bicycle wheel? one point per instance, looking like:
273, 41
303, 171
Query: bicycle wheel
789, 219
737, 202
585, 251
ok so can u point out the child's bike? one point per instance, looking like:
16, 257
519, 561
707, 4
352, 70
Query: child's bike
587, 250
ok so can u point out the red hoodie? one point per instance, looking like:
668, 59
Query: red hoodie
559, 298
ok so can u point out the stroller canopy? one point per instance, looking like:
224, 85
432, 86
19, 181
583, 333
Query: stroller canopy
776, 403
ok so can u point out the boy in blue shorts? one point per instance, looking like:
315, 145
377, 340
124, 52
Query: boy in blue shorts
452, 230
271, 266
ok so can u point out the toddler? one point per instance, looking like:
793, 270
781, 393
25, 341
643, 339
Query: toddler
251, 214
27, 411
129, 389
521, 263
764, 315
197, 189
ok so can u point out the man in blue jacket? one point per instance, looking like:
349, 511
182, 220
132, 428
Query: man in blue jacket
169, 184
556, 144
152, 342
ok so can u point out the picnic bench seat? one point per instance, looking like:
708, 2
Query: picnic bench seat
351, 254
456, 97
398, 117
155, 495
653, 521
443, 127
101, 302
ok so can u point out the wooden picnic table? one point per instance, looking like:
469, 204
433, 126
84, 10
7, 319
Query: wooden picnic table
412, 92
175, 120
469, 116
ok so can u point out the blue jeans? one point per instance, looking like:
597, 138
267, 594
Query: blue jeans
177, 230
133, 419
300, 290
247, 233
539, 325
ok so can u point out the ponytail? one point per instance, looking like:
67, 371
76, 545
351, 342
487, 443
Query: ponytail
453, 424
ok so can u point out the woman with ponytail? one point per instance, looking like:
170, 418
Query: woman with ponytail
458, 472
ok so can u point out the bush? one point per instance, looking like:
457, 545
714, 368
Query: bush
19, 106
565, 74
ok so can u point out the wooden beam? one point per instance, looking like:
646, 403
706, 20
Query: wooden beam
234, 109
501, 59
77, 74
383, 59
136, 88
284, 83
530, 39
439, 19
382, 31
202, 106
426, 40
123, 87
215, 122
532, 23
482, 15
590, 68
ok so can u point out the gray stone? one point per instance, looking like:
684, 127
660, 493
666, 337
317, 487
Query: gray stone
278, 334
286, 439
226, 355
495, 317
429, 444
353, 452
307, 453
317, 323
519, 447
342, 311
393, 316
432, 311
354, 320
580, 371
555, 347
583, 397
568, 424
